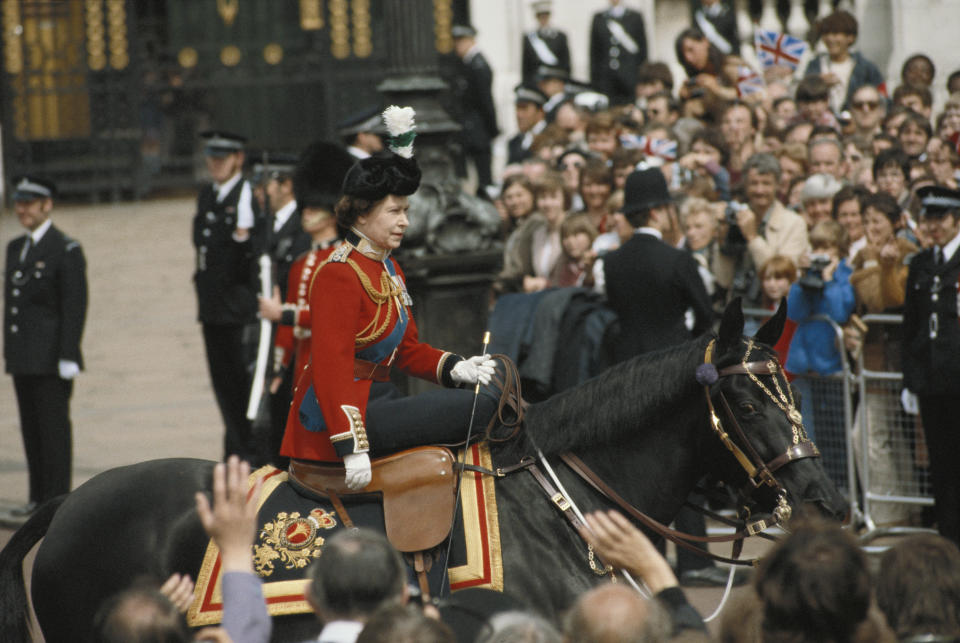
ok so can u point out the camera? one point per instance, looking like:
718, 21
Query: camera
812, 279
734, 243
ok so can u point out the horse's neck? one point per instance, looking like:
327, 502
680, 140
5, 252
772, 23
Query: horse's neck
656, 470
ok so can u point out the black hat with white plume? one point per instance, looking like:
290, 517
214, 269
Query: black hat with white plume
389, 172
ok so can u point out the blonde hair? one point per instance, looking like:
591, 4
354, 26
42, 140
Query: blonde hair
830, 233
696, 205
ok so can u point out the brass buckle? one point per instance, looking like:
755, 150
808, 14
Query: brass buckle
560, 501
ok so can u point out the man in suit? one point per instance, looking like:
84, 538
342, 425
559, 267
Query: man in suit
528, 104
474, 96
45, 295
931, 348
618, 45
650, 284
544, 45
225, 282
652, 287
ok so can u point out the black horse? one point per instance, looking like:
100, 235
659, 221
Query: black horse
642, 426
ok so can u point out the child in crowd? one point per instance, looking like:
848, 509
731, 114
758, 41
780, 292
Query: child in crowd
574, 266
825, 290
777, 275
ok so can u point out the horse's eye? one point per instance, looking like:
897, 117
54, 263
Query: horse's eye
748, 408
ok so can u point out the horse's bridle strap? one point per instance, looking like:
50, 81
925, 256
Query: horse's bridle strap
580, 468
806, 449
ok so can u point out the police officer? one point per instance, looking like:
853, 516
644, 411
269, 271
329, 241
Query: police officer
528, 104
931, 348
618, 45
544, 45
473, 91
45, 295
361, 133
225, 281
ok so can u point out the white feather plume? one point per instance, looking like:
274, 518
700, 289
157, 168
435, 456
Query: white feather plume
400, 125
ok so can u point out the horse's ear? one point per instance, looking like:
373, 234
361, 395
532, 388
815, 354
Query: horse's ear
731, 326
770, 332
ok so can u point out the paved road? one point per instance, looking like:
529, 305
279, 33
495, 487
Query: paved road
145, 393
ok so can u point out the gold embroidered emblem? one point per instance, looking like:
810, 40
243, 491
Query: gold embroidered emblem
292, 540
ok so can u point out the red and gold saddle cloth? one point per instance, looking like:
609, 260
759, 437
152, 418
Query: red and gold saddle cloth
294, 529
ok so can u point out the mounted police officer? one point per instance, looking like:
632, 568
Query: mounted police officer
45, 295
223, 232
931, 348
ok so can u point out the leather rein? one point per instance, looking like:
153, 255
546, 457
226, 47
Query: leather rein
759, 473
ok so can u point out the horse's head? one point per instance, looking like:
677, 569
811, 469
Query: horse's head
756, 418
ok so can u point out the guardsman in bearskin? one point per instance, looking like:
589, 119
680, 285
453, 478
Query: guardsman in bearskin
931, 348
225, 282
317, 180
45, 306
361, 327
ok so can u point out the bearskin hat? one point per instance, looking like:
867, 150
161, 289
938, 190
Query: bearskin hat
392, 171
319, 175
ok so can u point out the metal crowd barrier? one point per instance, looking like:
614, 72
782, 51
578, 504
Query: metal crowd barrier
890, 449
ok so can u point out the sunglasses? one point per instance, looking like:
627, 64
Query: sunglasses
865, 104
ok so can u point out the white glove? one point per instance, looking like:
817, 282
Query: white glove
68, 369
470, 371
358, 470
909, 402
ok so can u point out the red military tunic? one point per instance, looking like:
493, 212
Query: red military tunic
292, 343
359, 308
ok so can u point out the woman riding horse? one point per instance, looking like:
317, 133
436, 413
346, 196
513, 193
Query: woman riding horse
361, 327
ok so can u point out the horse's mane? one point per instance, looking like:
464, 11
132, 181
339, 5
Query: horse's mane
636, 394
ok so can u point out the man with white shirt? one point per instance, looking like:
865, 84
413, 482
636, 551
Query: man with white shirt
225, 281
931, 348
650, 284
45, 306
618, 46
358, 573
528, 104
361, 133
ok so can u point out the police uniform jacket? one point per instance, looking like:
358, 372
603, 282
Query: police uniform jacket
651, 285
360, 326
613, 67
473, 90
225, 269
45, 304
931, 328
555, 41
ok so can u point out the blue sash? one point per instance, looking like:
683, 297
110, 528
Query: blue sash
310, 415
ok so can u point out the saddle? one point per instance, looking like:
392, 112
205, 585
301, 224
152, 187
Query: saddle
417, 487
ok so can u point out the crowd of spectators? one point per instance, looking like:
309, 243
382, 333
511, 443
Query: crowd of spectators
801, 186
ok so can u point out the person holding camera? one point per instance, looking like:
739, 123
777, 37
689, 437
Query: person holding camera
823, 289
753, 232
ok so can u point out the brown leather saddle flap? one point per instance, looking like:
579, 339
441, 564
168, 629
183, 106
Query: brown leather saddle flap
418, 489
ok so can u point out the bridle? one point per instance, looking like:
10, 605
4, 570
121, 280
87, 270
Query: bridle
759, 473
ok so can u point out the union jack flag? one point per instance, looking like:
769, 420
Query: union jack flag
660, 147
779, 49
748, 81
